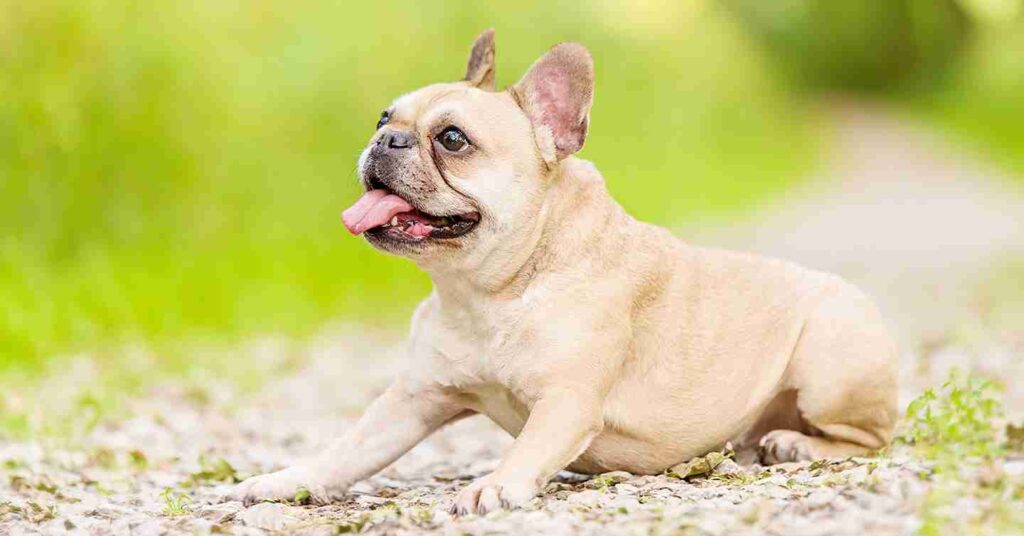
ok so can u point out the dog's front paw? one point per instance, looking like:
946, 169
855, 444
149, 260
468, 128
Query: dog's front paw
780, 446
285, 485
490, 493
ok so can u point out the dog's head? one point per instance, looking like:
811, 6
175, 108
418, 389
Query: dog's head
455, 168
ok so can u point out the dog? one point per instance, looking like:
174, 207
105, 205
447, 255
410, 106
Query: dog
600, 342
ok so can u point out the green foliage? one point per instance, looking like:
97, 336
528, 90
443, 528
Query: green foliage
858, 44
302, 496
175, 503
957, 422
355, 526
955, 428
699, 466
137, 460
215, 470
602, 483
7, 508
174, 170
981, 102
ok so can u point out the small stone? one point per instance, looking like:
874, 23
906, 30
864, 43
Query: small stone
623, 504
367, 501
1014, 468
589, 498
555, 487
220, 513
626, 489
152, 527
616, 476
699, 466
730, 468
266, 516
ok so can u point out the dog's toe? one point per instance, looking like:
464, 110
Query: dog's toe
781, 446
284, 485
489, 494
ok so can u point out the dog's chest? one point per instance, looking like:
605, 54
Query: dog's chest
476, 346
474, 367
482, 353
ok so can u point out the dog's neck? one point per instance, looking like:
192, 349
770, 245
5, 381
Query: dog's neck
569, 225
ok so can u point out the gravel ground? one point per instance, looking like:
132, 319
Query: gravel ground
165, 468
116, 479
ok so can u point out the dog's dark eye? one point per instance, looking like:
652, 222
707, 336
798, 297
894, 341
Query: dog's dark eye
453, 139
384, 118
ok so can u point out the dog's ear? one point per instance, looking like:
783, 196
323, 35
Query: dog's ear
480, 67
556, 94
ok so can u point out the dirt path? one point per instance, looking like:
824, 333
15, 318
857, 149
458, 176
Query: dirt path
930, 226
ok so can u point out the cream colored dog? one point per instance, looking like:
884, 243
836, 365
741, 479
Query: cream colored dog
601, 343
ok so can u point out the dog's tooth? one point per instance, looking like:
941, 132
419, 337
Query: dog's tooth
394, 220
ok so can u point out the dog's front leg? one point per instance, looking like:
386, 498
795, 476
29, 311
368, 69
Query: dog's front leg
394, 423
560, 427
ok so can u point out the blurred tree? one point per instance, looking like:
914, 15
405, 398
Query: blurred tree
859, 45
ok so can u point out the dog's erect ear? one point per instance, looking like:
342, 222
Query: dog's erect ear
556, 94
480, 67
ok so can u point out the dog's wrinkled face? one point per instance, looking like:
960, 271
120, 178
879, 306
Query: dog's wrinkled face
441, 170
457, 167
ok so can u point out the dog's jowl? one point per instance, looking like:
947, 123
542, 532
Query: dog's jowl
600, 342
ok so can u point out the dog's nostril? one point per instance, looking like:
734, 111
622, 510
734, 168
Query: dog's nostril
400, 139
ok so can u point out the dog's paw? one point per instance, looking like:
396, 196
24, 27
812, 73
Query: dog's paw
490, 493
284, 485
780, 446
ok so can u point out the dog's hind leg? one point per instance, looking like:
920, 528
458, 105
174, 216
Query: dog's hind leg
844, 373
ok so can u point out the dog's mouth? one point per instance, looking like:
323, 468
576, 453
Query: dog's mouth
382, 212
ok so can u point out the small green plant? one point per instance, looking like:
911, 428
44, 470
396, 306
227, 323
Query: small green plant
174, 503
955, 428
302, 496
354, 526
37, 513
699, 466
138, 461
602, 483
103, 457
422, 515
956, 422
7, 507
213, 470
734, 479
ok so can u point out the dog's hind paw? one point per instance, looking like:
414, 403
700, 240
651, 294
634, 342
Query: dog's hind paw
781, 446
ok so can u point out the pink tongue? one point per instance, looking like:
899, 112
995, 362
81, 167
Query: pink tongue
373, 209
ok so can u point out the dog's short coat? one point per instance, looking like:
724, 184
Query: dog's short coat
600, 342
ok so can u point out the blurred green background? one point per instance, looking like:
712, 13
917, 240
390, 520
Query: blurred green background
175, 170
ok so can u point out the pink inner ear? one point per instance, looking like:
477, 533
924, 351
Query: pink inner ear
553, 91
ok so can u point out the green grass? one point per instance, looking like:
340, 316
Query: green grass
955, 428
175, 503
955, 424
177, 170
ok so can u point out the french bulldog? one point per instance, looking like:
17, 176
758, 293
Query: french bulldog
600, 342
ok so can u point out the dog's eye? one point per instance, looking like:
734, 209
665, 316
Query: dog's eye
453, 139
384, 118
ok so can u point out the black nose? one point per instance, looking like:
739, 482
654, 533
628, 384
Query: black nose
397, 139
